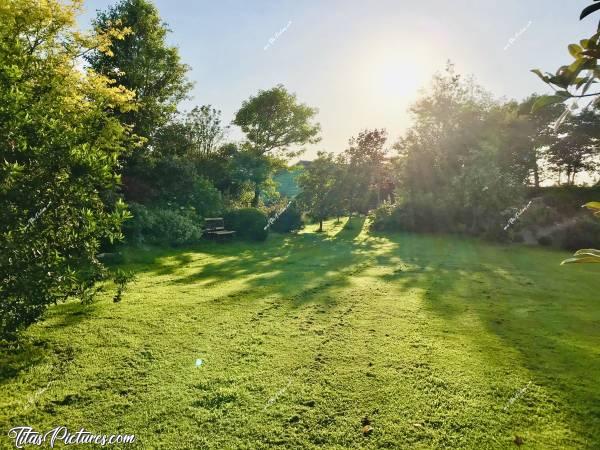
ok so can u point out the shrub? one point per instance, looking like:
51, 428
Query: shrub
249, 223
290, 220
161, 226
61, 147
583, 233
422, 215
546, 241
538, 215
174, 182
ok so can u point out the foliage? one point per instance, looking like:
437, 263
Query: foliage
160, 225
585, 234
572, 82
196, 135
574, 147
421, 214
363, 167
144, 63
288, 221
273, 121
172, 182
60, 152
317, 183
287, 181
122, 279
248, 223
205, 130
455, 158
567, 199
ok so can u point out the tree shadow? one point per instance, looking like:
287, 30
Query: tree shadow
540, 317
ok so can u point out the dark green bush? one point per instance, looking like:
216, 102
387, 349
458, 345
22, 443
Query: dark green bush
172, 182
538, 215
567, 200
583, 233
161, 226
249, 223
290, 220
423, 216
546, 241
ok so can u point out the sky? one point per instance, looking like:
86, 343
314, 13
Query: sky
362, 63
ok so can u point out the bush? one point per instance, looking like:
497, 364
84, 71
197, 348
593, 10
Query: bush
290, 220
538, 215
173, 182
545, 241
423, 216
583, 233
161, 226
249, 223
567, 200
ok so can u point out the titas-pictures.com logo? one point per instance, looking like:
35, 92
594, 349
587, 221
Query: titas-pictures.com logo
23, 436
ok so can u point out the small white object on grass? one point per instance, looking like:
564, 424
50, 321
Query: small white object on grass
199, 362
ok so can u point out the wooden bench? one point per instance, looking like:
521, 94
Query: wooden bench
214, 228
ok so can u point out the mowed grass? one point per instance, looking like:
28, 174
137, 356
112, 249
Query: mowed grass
442, 342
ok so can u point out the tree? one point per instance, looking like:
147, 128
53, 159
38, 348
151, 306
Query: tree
197, 134
456, 173
317, 183
60, 159
529, 135
273, 121
143, 63
364, 161
575, 147
205, 130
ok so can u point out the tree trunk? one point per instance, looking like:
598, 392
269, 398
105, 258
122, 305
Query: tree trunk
536, 175
321, 225
256, 198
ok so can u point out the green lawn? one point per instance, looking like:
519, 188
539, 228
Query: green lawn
442, 342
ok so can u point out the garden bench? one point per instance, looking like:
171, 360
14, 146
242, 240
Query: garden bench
214, 228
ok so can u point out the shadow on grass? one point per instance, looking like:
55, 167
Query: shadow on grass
524, 298
293, 268
556, 336
29, 351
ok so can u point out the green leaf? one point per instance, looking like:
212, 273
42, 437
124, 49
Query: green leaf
588, 85
589, 10
539, 73
575, 50
561, 119
587, 252
546, 100
582, 260
594, 206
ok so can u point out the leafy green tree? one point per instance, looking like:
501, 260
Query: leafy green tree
60, 159
456, 174
575, 146
273, 121
317, 183
528, 135
205, 130
364, 161
144, 63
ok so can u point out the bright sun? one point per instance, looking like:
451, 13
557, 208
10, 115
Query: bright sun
401, 72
